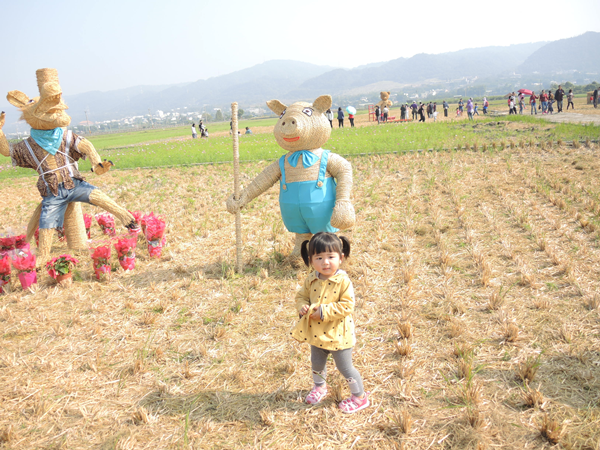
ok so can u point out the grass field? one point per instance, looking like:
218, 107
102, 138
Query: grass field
522, 131
477, 281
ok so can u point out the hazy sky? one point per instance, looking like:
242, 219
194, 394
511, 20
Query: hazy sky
108, 44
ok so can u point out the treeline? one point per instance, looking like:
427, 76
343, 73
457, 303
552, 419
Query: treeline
578, 89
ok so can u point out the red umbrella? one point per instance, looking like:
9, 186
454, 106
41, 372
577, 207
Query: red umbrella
525, 91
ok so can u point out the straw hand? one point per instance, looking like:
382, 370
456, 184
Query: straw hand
102, 167
234, 205
2, 119
343, 216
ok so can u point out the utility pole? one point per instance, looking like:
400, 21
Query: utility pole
87, 122
151, 121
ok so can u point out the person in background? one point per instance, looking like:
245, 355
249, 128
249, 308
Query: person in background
340, 118
377, 113
194, 134
248, 131
403, 111
445, 105
470, 108
486, 105
414, 108
421, 112
385, 113
570, 96
329, 116
461, 106
200, 127
544, 101
558, 96
351, 119
511, 105
550, 108
204, 133
476, 110
521, 104
550, 97
532, 99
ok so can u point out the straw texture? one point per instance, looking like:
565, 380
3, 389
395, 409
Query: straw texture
75, 227
34, 222
99, 198
46, 236
44, 76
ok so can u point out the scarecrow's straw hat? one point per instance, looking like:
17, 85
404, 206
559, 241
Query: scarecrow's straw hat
46, 75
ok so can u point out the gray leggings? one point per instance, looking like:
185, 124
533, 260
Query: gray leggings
343, 362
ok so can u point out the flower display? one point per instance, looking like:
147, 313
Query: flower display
125, 247
87, 220
4, 272
61, 265
107, 223
155, 230
7, 244
25, 264
100, 252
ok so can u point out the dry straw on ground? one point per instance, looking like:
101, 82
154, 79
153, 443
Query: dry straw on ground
185, 353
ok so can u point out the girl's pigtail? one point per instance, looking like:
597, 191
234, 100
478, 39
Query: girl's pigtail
304, 253
345, 246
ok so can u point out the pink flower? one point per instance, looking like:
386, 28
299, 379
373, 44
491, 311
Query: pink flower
5, 266
107, 223
87, 219
24, 263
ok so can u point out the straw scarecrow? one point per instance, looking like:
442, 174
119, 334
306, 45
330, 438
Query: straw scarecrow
53, 153
385, 100
315, 184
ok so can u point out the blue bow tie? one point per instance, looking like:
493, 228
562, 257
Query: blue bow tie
308, 158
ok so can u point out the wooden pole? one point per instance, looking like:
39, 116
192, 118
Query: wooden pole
239, 263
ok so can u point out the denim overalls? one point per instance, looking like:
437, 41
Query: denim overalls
306, 206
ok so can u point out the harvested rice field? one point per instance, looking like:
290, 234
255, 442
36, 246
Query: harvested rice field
477, 277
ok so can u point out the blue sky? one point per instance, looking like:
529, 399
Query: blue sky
106, 45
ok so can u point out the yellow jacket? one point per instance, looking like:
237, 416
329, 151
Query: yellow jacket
335, 296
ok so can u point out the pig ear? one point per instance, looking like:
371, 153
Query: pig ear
17, 98
323, 103
276, 106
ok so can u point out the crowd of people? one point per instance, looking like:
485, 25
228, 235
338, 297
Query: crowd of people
419, 112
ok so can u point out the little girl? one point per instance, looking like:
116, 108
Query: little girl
325, 304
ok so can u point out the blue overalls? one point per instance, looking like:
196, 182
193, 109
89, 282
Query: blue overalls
306, 206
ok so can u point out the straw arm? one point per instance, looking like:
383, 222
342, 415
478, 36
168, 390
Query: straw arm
343, 216
341, 169
264, 180
86, 148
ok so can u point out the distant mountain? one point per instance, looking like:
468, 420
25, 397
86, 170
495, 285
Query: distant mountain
474, 62
248, 86
577, 53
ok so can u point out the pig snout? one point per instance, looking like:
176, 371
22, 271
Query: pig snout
290, 126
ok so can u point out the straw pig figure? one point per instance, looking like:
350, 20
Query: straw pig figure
54, 153
385, 99
315, 184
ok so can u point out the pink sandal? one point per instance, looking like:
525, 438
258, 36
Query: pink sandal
354, 404
316, 394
